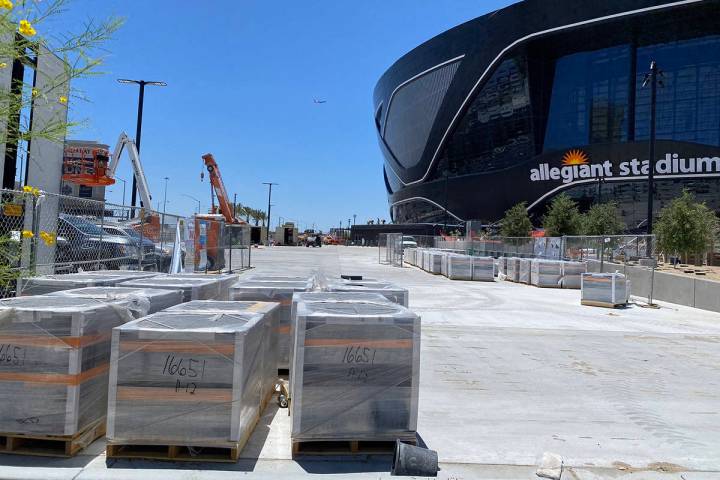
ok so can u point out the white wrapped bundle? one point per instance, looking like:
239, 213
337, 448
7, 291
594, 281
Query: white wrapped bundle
604, 289
188, 378
225, 281
355, 372
392, 292
205, 287
435, 259
524, 270
512, 265
410, 256
572, 273
459, 267
546, 273
55, 283
55, 355
483, 269
139, 301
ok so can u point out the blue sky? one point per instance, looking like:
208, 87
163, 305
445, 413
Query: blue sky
241, 78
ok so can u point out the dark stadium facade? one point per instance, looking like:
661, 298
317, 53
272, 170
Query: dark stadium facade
547, 96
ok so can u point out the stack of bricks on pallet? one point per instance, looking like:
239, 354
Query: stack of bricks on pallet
605, 288
459, 267
434, 262
524, 270
483, 269
355, 372
205, 287
512, 269
270, 310
274, 290
55, 283
571, 274
502, 265
410, 256
546, 273
195, 379
139, 301
54, 368
226, 280
392, 292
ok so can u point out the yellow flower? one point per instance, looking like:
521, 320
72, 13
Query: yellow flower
26, 28
63, 99
6, 4
3, 64
34, 92
36, 191
27, 234
27, 189
48, 238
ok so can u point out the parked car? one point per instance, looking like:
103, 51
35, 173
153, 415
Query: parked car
152, 253
408, 241
81, 243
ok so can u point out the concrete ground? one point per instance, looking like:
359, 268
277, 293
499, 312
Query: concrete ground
508, 372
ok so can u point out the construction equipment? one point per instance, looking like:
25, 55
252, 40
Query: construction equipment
215, 231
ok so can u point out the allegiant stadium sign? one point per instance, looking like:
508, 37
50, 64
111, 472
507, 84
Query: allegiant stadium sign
576, 165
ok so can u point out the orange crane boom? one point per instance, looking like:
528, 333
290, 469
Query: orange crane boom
217, 183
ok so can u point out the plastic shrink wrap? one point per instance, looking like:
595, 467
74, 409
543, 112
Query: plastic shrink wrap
226, 280
524, 270
605, 288
513, 269
183, 378
483, 269
571, 274
355, 372
139, 301
193, 288
545, 273
434, 261
392, 292
54, 358
274, 291
55, 283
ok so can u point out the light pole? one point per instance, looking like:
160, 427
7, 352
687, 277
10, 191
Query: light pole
192, 198
354, 217
124, 183
267, 232
651, 78
138, 132
162, 223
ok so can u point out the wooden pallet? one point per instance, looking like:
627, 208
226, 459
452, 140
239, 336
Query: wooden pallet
592, 303
347, 447
227, 453
51, 445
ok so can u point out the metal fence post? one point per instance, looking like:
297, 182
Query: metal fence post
142, 233
102, 232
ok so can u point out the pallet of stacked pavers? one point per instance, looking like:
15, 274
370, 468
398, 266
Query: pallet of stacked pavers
274, 291
435, 259
225, 281
545, 273
572, 273
139, 301
409, 255
524, 270
271, 312
355, 377
512, 265
54, 358
459, 267
54, 283
206, 287
187, 385
604, 289
483, 269
392, 292
502, 265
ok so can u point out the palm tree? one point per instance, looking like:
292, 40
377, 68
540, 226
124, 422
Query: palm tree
262, 216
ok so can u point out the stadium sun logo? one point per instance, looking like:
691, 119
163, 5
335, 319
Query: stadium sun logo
575, 157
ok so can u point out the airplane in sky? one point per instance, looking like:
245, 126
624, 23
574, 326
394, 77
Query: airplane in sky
315, 100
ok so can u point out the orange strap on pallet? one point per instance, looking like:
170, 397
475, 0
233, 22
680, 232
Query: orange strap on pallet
55, 378
51, 341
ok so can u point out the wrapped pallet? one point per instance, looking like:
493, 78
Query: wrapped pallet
392, 292
193, 288
502, 265
270, 310
483, 269
409, 255
524, 270
546, 273
54, 283
55, 355
139, 301
435, 259
187, 380
512, 265
459, 267
355, 373
274, 291
572, 273
225, 280
604, 289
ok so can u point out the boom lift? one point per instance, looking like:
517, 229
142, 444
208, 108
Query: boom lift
218, 186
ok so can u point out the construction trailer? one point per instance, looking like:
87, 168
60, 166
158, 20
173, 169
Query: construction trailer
286, 234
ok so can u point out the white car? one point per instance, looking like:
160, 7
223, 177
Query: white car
408, 241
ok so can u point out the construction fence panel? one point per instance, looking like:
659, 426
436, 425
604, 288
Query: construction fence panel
390, 249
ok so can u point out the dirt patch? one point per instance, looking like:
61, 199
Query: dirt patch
655, 466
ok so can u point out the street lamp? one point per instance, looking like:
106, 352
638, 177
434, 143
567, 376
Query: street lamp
162, 224
267, 232
651, 78
138, 132
124, 183
193, 198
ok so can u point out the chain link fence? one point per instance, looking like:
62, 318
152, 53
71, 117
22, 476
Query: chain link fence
390, 249
43, 233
